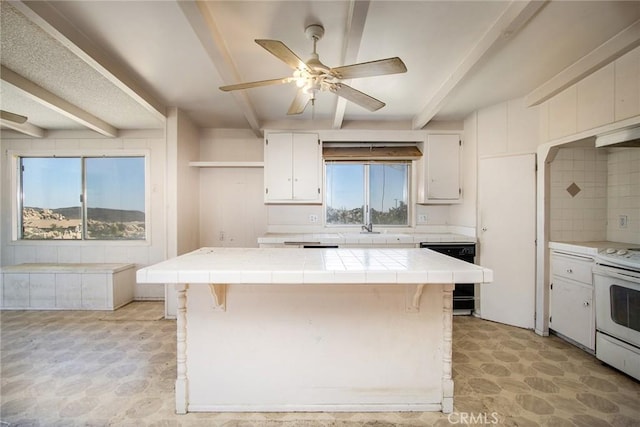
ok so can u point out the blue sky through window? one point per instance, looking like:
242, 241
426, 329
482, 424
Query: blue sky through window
346, 186
115, 183
51, 182
56, 182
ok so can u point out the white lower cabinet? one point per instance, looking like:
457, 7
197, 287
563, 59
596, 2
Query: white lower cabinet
571, 306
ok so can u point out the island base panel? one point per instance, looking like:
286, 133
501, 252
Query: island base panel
316, 348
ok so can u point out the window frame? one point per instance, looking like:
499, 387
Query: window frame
16, 189
367, 191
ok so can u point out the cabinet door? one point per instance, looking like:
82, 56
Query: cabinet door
278, 167
595, 99
571, 311
306, 167
443, 167
627, 85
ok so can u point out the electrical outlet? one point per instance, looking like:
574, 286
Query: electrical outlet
622, 221
313, 218
422, 219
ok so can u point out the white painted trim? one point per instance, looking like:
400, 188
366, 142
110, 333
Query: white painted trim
223, 164
391, 407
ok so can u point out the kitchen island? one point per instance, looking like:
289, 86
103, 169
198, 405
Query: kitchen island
314, 329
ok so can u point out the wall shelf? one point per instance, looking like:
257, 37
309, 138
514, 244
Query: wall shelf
227, 164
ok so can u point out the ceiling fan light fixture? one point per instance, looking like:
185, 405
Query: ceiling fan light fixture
313, 76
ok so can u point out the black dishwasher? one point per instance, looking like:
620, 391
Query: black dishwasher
464, 293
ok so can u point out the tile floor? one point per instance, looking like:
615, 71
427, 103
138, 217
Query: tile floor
63, 368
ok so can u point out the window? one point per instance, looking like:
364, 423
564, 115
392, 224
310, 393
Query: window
367, 192
82, 198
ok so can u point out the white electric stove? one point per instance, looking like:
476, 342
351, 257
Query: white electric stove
617, 287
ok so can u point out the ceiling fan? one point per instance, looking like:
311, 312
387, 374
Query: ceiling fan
313, 76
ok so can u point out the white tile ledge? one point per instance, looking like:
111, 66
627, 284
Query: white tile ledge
66, 268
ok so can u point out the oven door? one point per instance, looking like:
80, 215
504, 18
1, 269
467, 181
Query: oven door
618, 303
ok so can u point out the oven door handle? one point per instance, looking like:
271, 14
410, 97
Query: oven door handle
608, 271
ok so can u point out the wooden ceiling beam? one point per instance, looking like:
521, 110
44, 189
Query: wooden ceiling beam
353, 38
55, 103
516, 16
201, 19
24, 128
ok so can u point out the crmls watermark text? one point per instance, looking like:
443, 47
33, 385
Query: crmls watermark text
480, 418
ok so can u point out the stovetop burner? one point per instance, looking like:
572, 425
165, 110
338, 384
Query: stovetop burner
625, 258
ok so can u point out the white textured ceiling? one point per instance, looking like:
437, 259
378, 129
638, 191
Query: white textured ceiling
32, 53
178, 54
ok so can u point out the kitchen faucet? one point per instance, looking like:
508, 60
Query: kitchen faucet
368, 228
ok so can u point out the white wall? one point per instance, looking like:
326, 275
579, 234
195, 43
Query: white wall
232, 209
84, 142
183, 184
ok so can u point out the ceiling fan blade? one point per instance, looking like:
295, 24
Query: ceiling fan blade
299, 102
370, 69
249, 85
282, 52
12, 117
357, 97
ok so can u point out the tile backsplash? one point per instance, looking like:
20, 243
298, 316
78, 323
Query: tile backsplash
578, 196
595, 195
623, 195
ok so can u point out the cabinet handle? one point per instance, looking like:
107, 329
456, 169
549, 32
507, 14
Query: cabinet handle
569, 270
586, 303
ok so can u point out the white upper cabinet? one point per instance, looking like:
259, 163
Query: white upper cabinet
441, 182
606, 96
563, 113
292, 168
595, 95
627, 81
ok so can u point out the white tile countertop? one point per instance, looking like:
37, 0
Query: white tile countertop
318, 266
363, 238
